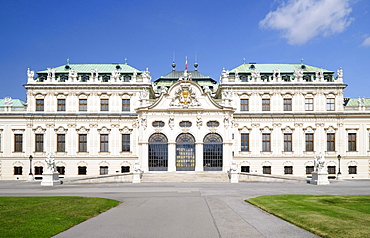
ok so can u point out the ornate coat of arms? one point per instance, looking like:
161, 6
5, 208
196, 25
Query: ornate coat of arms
185, 97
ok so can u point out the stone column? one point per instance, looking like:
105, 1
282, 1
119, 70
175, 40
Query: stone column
198, 156
172, 156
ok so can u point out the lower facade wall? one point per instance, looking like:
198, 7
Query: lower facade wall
254, 165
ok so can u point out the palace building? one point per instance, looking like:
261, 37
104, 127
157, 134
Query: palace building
99, 119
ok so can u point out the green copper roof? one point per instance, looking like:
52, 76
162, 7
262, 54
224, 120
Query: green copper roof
177, 74
353, 102
284, 68
195, 75
86, 68
15, 103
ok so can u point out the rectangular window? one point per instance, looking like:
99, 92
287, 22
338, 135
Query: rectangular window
288, 142
244, 104
18, 170
245, 141
266, 169
309, 169
245, 169
288, 169
18, 143
40, 105
61, 105
287, 104
82, 170
104, 105
126, 142
352, 142
39, 170
309, 141
331, 170
39, 145
103, 170
265, 104
125, 169
83, 105
330, 142
104, 143
126, 105
82, 142
61, 143
266, 142
352, 169
61, 170
330, 104
308, 104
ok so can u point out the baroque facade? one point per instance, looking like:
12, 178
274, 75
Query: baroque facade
102, 118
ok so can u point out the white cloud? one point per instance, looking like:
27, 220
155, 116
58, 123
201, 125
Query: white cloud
302, 20
366, 42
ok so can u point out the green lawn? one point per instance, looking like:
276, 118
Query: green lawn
324, 215
47, 216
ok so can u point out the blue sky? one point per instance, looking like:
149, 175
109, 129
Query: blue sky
326, 33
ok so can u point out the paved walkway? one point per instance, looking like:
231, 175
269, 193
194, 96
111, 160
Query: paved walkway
183, 209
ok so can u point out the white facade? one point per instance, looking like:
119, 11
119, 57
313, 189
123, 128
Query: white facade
100, 119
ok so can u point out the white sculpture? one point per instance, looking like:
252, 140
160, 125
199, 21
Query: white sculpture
206, 89
72, 75
50, 162
199, 121
30, 73
8, 102
319, 162
233, 166
115, 75
255, 74
137, 166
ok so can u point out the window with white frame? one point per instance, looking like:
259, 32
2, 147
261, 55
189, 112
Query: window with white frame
330, 104
308, 106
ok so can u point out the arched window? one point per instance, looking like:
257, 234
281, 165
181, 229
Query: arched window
212, 152
185, 152
158, 152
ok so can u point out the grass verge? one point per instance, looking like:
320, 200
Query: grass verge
324, 215
47, 216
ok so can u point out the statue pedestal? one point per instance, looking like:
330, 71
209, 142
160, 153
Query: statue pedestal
136, 177
30, 178
319, 178
234, 177
50, 179
339, 177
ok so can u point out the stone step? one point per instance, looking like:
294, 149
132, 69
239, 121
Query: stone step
185, 177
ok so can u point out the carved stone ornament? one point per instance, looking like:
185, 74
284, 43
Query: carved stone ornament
185, 97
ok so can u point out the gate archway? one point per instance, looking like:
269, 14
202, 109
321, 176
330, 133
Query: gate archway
212, 152
158, 152
185, 152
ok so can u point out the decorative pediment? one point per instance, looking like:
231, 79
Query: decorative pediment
245, 129
82, 130
104, 130
309, 129
18, 163
39, 130
18, 131
266, 129
287, 129
103, 163
61, 130
288, 163
126, 130
330, 129
266, 163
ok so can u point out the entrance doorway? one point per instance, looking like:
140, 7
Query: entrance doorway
185, 152
212, 152
158, 152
